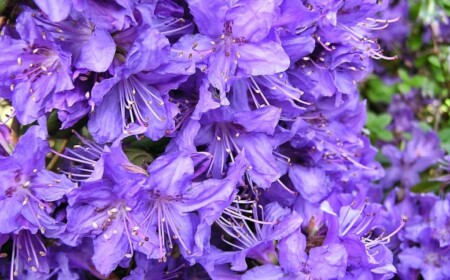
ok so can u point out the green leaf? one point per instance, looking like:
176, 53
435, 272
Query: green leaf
138, 157
385, 135
434, 60
382, 159
444, 135
403, 74
377, 126
417, 81
146, 144
404, 88
378, 91
379, 121
3, 5
426, 186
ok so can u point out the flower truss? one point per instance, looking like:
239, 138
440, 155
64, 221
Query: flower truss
200, 139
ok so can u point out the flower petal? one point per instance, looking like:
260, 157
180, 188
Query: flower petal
262, 58
252, 19
56, 10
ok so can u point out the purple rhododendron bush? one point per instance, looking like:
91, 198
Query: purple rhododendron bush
224, 139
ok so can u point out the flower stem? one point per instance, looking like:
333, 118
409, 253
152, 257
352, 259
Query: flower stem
55, 158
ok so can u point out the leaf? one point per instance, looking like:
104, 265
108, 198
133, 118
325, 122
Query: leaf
426, 186
386, 135
417, 81
444, 135
377, 126
404, 88
3, 5
434, 60
378, 91
403, 74
138, 157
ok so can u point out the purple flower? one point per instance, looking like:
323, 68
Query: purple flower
28, 256
173, 268
270, 223
430, 260
323, 262
296, 26
266, 174
72, 263
331, 74
103, 210
422, 151
360, 233
85, 162
29, 191
399, 30
137, 93
235, 40
227, 134
440, 221
326, 262
114, 15
312, 182
326, 151
92, 47
266, 271
270, 90
133, 210
403, 119
73, 105
170, 197
351, 22
34, 69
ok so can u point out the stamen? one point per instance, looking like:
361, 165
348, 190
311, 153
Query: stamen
235, 222
286, 188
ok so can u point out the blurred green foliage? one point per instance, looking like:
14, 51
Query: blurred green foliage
423, 67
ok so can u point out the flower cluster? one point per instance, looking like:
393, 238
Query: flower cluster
248, 113
416, 170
